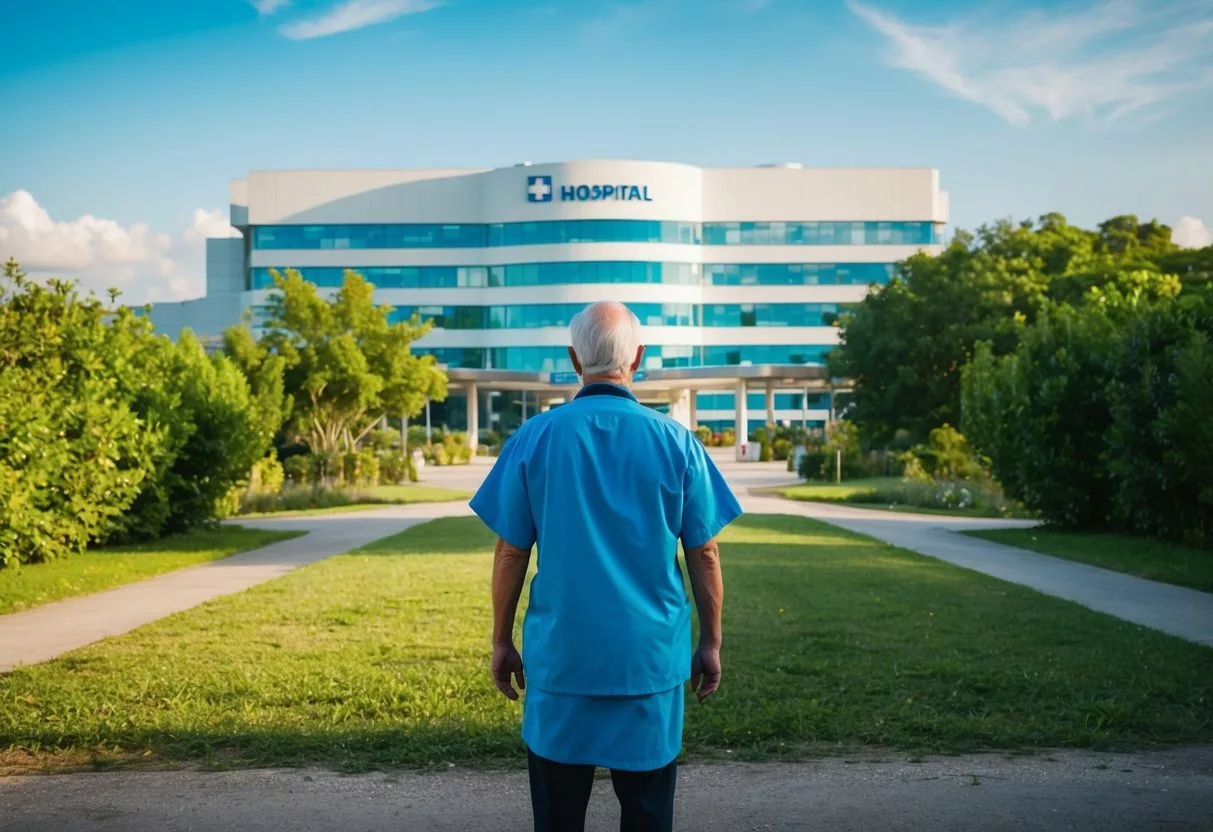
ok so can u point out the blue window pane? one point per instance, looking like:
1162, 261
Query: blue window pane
420, 235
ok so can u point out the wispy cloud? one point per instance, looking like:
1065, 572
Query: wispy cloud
1100, 60
268, 7
355, 14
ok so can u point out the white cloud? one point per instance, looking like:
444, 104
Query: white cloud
101, 253
1190, 232
206, 224
1099, 61
355, 14
268, 7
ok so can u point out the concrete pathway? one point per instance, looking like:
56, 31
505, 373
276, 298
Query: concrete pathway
1171, 790
48, 631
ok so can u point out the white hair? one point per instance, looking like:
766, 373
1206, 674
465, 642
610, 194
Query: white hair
605, 344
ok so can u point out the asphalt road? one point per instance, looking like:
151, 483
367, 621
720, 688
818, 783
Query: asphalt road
1167, 790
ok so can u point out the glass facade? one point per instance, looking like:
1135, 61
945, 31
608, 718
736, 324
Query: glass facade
532, 316
473, 235
596, 271
819, 233
554, 232
556, 359
758, 401
797, 274
515, 274
771, 314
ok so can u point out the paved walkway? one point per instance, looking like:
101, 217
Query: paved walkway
48, 631
1082, 791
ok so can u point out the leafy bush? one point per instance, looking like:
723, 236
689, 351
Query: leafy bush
1101, 417
704, 434
947, 455
74, 452
396, 468
267, 476
727, 438
816, 465
764, 452
298, 469
294, 498
384, 440
781, 449
985, 497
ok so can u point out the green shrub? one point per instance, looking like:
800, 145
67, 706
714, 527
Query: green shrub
393, 468
384, 440
816, 465
268, 475
728, 438
368, 467
293, 498
971, 495
781, 449
299, 469
764, 452
947, 455
704, 434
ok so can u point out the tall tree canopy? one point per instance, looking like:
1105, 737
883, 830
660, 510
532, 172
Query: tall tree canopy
346, 365
906, 344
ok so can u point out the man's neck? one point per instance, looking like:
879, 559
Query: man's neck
618, 379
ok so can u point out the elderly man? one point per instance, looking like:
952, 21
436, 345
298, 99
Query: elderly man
606, 487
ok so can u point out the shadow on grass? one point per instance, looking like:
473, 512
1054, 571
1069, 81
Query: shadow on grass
353, 750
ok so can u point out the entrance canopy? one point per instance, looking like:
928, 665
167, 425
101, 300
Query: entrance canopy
757, 377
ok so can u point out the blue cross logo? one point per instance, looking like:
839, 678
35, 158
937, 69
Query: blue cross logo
539, 189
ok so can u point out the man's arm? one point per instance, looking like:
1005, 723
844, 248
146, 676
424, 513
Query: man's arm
509, 575
707, 585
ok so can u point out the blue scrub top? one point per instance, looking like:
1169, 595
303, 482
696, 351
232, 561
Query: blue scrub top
606, 487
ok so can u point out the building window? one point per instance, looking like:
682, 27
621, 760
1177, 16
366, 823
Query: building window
420, 235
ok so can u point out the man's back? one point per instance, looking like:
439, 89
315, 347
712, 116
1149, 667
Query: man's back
605, 478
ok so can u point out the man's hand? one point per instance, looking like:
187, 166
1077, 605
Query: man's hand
506, 661
705, 671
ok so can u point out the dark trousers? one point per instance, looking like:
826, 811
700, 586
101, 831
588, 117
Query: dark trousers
560, 794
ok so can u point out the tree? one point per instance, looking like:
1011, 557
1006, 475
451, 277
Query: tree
906, 344
346, 364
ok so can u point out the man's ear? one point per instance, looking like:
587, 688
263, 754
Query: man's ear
576, 363
639, 358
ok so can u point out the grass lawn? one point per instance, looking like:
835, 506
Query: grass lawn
377, 496
1143, 557
864, 493
99, 569
833, 642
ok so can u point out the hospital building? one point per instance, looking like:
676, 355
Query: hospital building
738, 274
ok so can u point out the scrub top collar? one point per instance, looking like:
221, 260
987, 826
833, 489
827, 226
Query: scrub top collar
605, 388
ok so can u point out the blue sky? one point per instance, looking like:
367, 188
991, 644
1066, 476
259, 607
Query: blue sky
126, 118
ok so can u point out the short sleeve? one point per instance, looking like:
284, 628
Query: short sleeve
502, 501
708, 504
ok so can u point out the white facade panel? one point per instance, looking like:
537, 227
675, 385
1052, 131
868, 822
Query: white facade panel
838, 194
